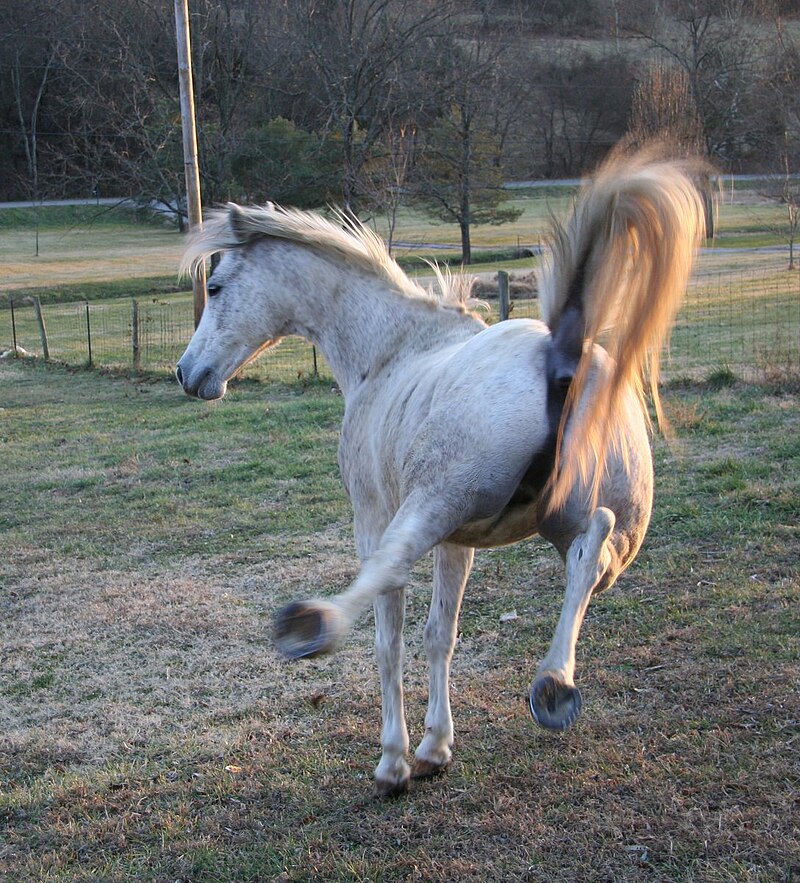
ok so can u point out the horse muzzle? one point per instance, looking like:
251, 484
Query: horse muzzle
203, 383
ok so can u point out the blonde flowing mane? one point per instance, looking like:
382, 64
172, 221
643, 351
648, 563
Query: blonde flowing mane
345, 239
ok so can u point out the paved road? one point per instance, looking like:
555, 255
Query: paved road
574, 182
510, 185
32, 204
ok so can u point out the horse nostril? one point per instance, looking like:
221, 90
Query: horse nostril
179, 374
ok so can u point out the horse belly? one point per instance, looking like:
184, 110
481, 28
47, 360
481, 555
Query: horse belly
514, 523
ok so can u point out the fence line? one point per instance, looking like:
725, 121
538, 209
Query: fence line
747, 322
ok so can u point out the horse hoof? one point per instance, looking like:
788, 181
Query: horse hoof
426, 769
384, 788
304, 629
554, 705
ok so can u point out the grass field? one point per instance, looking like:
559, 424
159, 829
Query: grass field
745, 320
149, 732
91, 252
83, 248
742, 311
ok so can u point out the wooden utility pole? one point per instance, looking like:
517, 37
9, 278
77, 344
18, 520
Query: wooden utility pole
193, 202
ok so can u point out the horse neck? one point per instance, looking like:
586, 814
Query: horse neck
357, 320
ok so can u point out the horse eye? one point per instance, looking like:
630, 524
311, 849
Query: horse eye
213, 289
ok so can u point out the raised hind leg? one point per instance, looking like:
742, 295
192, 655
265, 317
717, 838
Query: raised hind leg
451, 568
555, 701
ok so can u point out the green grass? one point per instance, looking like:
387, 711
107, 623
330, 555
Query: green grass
114, 289
742, 323
76, 247
751, 221
106, 463
66, 217
151, 733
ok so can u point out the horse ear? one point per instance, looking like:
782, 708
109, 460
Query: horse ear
237, 219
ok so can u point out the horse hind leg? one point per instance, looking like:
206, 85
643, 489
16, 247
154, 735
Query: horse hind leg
555, 701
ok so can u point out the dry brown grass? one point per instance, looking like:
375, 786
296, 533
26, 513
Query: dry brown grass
87, 255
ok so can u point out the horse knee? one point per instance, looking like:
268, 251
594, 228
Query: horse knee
591, 556
601, 525
438, 638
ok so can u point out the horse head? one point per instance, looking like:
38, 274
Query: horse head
246, 307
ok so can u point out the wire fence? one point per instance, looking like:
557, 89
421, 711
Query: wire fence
747, 323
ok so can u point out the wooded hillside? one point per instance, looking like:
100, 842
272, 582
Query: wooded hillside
367, 102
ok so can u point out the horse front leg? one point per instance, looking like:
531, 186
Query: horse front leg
393, 772
308, 628
451, 568
555, 701
303, 629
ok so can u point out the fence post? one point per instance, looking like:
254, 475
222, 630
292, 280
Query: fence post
314, 356
137, 356
502, 285
37, 306
13, 328
88, 334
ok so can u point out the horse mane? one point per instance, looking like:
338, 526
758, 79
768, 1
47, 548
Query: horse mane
345, 239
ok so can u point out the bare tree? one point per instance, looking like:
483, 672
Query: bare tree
369, 59
663, 109
386, 175
119, 104
712, 42
783, 78
29, 50
28, 114
791, 199
459, 175
663, 106
577, 106
118, 97
227, 73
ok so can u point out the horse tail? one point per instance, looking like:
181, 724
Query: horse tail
616, 274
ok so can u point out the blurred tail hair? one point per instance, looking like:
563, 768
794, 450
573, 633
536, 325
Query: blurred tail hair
617, 269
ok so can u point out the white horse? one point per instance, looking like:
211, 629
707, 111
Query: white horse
457, 435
